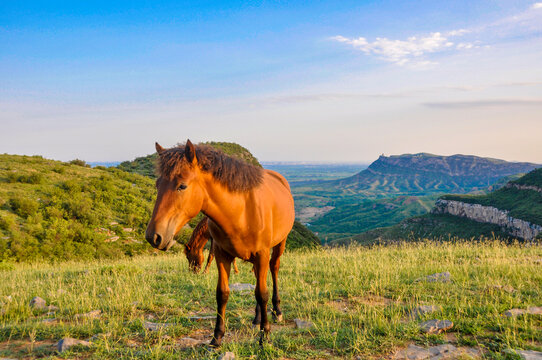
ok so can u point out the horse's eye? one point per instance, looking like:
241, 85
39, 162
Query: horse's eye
181, 187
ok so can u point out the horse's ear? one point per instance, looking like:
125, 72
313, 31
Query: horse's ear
159, 149
190, 152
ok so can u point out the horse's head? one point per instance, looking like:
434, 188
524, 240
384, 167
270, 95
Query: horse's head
195, 258
180, 195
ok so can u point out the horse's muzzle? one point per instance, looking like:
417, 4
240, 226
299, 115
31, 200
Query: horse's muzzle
154, 239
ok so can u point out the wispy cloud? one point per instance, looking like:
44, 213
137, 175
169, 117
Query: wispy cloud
483, 103
415, 51
410, 51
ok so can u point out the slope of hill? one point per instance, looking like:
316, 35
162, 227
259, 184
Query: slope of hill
513, 211
50, 210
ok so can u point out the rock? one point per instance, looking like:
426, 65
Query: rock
100, 336
51, 308
421, 310
446, 351
436, 326
535, 310
190, 342
242, 287
438, 277
530, 354
302, 324
202, 317
94, 314
67, 343
506, 288
38, 303
155, 326
514, 312
227, 356
49, 321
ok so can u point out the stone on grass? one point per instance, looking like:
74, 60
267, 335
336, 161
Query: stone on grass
51, 321
190, 342
89, 315
151, 326
227, 356
534, 310
202, 317
302, 324
514, 312
505, 288
436, 326
242, 287
530, 354
438, 277
38, 303
446, 351
67, 343
51, 308
421, 310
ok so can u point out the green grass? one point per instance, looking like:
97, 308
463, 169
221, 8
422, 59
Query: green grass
358, 299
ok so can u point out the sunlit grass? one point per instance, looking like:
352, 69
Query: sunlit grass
358, 299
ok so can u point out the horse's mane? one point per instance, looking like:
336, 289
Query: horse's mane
235, 174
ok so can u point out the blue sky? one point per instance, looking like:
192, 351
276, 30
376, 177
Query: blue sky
319, 81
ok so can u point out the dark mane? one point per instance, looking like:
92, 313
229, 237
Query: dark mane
235, 174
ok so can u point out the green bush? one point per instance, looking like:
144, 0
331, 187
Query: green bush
24, 207
79, 162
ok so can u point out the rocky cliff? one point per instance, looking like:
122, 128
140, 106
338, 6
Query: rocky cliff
488, 214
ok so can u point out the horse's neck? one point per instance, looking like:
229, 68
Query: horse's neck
224, 207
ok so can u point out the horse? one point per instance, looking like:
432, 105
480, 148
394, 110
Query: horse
194, 248
250, 211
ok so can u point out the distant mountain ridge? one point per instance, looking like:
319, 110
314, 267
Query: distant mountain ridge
423, 173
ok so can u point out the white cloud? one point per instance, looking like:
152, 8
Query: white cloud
402, 52
537, 5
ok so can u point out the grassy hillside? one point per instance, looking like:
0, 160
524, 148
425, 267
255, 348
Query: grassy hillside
50, 210
363, 311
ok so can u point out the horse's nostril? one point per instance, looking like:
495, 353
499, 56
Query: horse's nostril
157, 239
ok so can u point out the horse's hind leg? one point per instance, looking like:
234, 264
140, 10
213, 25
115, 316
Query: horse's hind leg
274, 264
210, 257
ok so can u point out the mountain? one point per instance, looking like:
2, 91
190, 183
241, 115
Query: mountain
514, 211
427, 173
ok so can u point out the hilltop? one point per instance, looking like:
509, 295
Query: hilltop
145, 165
512, 211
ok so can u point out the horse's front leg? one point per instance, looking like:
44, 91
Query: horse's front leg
223, 262
210, 257
261, 266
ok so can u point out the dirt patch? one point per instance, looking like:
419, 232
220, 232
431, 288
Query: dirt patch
24, 348
372, 300
312, 213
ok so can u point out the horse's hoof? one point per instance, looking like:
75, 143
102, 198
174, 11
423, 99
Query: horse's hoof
215, 343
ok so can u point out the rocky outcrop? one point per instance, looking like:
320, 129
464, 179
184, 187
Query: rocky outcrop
524, 187
488, 214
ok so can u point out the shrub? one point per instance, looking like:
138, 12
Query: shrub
24, 207
79, 162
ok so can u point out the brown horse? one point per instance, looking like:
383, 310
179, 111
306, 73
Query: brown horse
250, 211
194, 248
